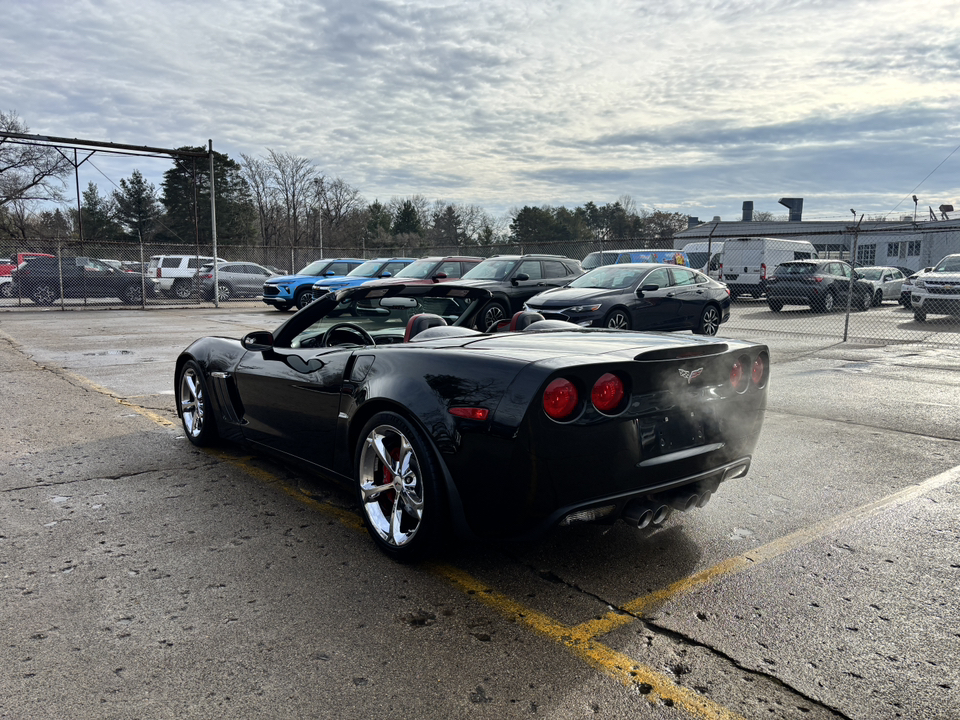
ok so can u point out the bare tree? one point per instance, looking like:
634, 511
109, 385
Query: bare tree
341, 207
259, 178
28, 172
293, 177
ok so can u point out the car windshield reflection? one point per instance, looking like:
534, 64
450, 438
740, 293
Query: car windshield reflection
608, 277
384, 318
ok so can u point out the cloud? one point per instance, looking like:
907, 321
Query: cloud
685, 105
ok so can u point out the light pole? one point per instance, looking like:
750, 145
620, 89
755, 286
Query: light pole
914, 208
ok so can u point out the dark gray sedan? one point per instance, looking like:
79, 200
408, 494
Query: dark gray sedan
639, 296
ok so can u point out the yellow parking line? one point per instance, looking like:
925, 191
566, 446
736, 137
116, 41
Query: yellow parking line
581, 639
635, 608
657, 686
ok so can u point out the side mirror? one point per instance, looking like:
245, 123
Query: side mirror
439, 276
519, 277
328, 273
386, 274
258, 341
647, 288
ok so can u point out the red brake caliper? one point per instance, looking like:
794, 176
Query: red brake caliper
387, 498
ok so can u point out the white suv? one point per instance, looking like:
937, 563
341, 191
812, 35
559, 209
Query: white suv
174, 275
938, 290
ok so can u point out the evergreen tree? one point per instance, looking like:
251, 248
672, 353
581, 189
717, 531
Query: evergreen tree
137, 207
98, 216
407, 220
187, 203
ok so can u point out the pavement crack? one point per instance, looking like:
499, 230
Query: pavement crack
687, 641
681, 639
121, 476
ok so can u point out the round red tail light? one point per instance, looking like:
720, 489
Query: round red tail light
738, 374
607, 393
560, 399
759, 371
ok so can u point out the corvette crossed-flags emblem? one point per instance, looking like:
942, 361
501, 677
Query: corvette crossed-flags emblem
690, 375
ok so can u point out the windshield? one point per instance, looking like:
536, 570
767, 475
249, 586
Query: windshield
795, 269
951, 263
871, 273
315, 268
609, 277
419, 269
385, 317
697, 259
595, 259
368, 269
490, 270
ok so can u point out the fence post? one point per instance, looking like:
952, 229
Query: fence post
853, 271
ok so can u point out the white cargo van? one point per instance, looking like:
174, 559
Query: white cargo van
705, 256
748, 262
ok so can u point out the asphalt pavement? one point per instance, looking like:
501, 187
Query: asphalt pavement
144, 578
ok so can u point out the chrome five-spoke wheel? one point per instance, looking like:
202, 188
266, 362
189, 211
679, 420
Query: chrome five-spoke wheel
198, 424
396, 481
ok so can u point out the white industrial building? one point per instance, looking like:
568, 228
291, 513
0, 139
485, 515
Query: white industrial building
904, 242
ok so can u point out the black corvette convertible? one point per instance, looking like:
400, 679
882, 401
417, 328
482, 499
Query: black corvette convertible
440, 427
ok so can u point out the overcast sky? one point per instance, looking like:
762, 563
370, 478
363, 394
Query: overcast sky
688, 107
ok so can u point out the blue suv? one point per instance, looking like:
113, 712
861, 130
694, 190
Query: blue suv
289, 290
370, 270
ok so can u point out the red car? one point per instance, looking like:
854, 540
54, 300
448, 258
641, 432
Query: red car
430, 270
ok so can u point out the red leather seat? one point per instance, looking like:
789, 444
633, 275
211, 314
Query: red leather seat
419, 323
524, 318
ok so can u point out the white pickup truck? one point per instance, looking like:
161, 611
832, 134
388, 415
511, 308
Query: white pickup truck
937, 291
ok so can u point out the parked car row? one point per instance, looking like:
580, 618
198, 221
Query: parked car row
625, 296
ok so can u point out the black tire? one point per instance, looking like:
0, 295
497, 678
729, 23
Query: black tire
303, 298
827, 303
6, 290
409, 520
224, 292
709, 321
617, 319
878, 298
494, 312
194, 406
862, 302
283, 308
775, 305
45, 294
920, 315
132, 295
182, 289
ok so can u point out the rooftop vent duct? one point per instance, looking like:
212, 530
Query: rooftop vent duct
795, 205
748, 210
692, 221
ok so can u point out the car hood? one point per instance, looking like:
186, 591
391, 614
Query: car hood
564, 297
947, 277
278, 279
485, 284
341, 281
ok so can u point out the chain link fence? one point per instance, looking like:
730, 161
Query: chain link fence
77, 275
